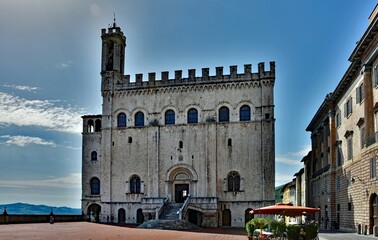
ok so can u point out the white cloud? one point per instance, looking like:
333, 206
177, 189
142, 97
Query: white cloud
294, 158
73, 180
42, 113
22, 88
283, 178
290, 163
64, 65
23, 141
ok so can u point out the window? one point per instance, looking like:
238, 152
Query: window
139, 119
245, 113
338, 119
181, 144
349, 206
169, 117
362, 136
373, 168
233, 182
375, 77
95, 186
224, 114
94, 156
121, 120
134, 184
90, 127
338, 183
98, 125
349, 178
229, 142
348, 107
350, 147
339, 155
192, 115
360, 94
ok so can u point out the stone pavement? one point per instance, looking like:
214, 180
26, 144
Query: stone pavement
92, 231
344, 236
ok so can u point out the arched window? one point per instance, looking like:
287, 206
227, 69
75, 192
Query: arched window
121, 120
95, 186
224, 114
233, 182
134, 184
98, 125
245, 113
169, 117
192, 115
90, 127
139, 119
94, 156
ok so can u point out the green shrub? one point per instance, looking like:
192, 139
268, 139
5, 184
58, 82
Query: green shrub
278, 228
293, 232
311, 230
260, 223
250, 228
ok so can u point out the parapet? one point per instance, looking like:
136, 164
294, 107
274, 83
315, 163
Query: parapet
111, 30
192, 78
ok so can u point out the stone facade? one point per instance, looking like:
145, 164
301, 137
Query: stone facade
341, 170
206, 142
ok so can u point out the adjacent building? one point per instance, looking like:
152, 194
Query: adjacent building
341, 171
202, 142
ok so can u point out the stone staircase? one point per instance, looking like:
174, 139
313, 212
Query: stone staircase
169, 225
170, 211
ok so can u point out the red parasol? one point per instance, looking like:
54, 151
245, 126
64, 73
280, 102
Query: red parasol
285, 210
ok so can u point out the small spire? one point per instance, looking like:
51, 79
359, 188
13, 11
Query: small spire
114, 22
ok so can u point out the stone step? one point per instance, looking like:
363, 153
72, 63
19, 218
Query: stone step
169, 225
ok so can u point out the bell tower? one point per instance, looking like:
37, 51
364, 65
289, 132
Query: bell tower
113, 56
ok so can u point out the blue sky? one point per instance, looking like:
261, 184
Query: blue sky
50, 54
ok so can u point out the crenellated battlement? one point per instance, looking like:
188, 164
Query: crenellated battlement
111, 30
193, 78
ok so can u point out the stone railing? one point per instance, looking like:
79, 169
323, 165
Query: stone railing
183, 208
160, 209
28, 218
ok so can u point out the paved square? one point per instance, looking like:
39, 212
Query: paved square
92, 231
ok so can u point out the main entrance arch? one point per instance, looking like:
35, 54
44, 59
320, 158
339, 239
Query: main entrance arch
93, 212
181, 180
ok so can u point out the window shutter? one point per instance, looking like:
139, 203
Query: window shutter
358, 95
346, 109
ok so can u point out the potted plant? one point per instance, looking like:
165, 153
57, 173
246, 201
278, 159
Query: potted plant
261, 223
250, 229
293, 232
278, 228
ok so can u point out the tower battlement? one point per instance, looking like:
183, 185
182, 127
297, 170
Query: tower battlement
193, 78
111, 30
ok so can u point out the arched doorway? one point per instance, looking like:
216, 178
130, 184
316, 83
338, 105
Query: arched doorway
373, 211
247, 215
226, 218
181, 179
195, 217
140, 217
121, 216
93, 213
